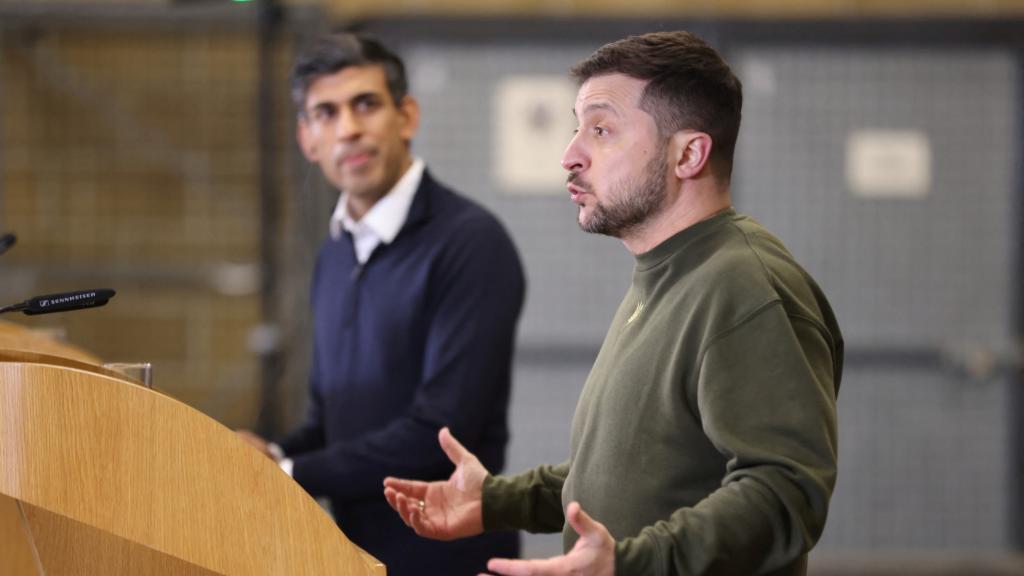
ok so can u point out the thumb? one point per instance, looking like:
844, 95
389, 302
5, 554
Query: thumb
582, 523
455, 451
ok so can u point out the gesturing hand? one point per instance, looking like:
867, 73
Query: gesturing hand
442, 510
593, 554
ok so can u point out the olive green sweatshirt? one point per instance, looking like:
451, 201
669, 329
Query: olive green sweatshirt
705, 436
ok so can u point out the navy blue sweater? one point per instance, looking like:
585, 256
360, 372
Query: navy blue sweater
419, 337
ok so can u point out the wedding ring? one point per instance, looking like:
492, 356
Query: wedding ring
422, 505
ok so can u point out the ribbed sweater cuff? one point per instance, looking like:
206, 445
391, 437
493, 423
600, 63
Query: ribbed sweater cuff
636, 557
502, 508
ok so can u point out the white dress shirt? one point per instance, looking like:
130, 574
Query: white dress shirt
384, 219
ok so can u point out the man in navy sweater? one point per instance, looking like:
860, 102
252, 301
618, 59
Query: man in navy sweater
415, 296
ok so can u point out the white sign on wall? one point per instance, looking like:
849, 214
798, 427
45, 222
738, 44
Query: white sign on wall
888, 163
532, 126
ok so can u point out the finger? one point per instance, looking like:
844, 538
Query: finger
411, 488
392, 497
407, 507
412, 515
455, 451
418, 520
507, 567
582, 523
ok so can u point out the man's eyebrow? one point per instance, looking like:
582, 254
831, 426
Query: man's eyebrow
369, 94
328, 103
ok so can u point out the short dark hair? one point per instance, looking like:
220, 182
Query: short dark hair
334, 52
689, 85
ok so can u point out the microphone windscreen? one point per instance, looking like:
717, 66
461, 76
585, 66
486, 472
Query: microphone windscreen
66, 301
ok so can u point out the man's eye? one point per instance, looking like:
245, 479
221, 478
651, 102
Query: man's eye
322, 113
365, 105
600, 130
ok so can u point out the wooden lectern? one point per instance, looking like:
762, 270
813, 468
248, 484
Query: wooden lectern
99, 475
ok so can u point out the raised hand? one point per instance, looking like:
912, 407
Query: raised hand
593, 554
442, 510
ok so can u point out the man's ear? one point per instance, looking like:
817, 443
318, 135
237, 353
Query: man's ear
304, 135
692, 153
409, 111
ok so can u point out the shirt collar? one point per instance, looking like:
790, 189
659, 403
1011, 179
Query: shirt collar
388, 215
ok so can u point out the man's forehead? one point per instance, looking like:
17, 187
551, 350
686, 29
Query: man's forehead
616, 93
347, 83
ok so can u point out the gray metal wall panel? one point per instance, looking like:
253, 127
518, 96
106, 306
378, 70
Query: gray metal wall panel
935, 271
924, 453
922, 463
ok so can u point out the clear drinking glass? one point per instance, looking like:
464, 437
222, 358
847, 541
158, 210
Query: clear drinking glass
141, 372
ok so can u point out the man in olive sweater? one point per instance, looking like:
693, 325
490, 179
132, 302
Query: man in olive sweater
704, 441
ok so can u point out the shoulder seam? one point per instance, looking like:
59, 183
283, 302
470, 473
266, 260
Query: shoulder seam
817, 325
771, 280
739, 324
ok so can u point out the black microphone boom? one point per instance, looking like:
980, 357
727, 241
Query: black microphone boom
6, 241
62, 302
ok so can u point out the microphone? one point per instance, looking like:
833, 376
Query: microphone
6, 241
62, 302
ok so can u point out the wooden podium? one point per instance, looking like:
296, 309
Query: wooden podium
99, 475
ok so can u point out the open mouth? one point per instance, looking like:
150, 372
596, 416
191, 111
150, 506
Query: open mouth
575, 192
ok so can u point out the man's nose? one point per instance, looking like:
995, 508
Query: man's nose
348, 126
574, 159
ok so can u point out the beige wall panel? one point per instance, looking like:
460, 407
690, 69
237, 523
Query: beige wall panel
130, 161
104, 2
130, 146
939, 7
635, 8
641, 8
15, 337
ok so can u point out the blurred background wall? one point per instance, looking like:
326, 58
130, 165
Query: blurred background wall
148, 146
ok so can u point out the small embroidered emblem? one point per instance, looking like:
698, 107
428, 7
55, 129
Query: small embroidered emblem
636, 312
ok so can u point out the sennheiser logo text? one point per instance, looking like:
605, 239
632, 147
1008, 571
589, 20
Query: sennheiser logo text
67, 299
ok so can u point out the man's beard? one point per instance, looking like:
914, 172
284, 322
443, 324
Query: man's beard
631, 203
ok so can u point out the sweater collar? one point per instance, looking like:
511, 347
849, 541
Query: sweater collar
679, 240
